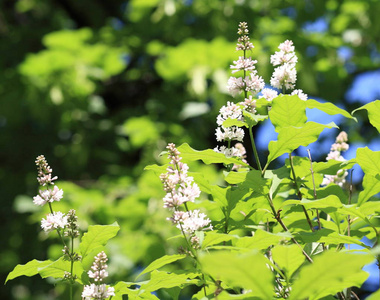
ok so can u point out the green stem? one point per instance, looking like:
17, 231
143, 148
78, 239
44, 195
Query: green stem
299, 192
72, 268
255, 150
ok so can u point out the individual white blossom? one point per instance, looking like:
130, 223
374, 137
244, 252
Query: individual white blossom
179, 187
300, 94
97, 292
48, 195
268, 94
53, 221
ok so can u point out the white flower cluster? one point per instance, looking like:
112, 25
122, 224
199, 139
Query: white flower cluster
55, 220
236, 151
229, 111
285, 75
98, 273
181, 189
335, 153
250, 82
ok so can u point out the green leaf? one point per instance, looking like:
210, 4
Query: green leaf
328, 108
234, 122
330, 201
368, 160
291, 138
162, 261
373, 109
287, 111
207, 156
371, 186
288, 258
97, 237
58, 268
330, 273
374, 296
252, 119
122, 288
161, 280
262, 239
214, 238
240, 271
29, 269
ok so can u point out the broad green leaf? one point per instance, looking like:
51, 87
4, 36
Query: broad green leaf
262, 239
161, 280
373, 109
207, 156
288, 258
330, 201
234, 122
122, 288
371, 186
291, 138
251, 179
248, 271
58, 268
287, 111
330, 273
97, 237
29, 269
336, 238
368, 160
253, 119
214, 238
162, 261
328, 108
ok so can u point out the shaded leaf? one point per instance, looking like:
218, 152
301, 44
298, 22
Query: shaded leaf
288, 258
373, 109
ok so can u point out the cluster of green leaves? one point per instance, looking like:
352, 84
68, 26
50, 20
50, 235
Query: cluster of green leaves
265, 245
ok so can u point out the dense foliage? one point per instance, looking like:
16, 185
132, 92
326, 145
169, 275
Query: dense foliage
101, 92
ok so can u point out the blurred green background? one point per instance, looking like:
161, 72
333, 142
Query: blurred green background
100, 88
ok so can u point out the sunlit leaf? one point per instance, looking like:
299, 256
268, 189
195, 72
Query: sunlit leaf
289, 258
207, 156
290, 138
160, 262
29, 269
330, 273
287, 111
328, 108
237, 271
97, 237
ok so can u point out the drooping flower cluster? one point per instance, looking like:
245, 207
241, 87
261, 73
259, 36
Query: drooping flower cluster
339, 146
98, 272
55, 220
250, 82
180, 189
